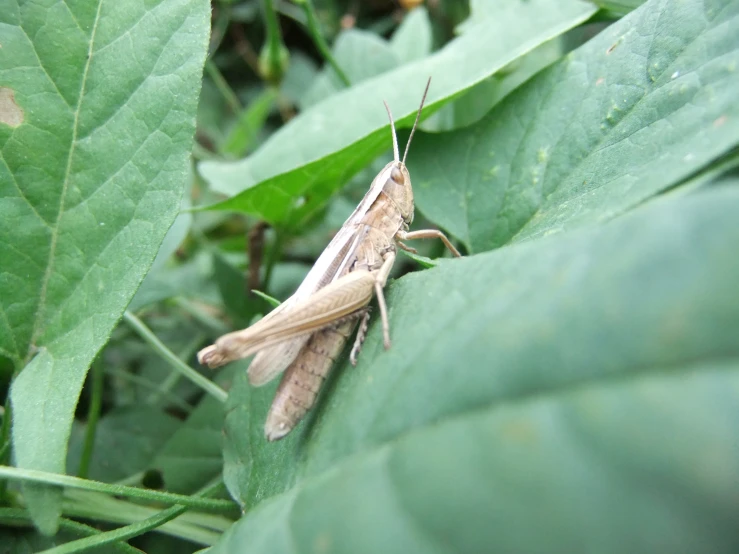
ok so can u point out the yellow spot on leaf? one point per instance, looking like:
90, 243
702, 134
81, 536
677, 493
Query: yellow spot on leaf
11, 113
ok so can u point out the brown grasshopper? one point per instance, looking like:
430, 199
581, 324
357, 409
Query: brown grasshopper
304, 335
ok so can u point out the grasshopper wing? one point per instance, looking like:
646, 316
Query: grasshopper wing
328, 306
273, 360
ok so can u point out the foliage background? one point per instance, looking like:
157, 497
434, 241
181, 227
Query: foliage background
570, 385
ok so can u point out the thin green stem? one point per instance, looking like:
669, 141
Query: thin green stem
5, 433
274, 56
17, 517
5, 443
199, 152
4, 449
315, 32
222, 19
178, 365
229, 95
35, 476
272, 256
102, 507
193, 526
274, 36
129, 531
151, 385
201, 316
93, 415
165, 387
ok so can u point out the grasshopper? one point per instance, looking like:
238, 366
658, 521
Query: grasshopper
304, 335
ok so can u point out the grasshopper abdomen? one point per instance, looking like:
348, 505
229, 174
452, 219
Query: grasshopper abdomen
302, 381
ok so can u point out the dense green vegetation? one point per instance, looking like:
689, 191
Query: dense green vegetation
569, 385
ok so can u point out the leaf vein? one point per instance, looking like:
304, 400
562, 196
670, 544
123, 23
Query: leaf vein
38, 323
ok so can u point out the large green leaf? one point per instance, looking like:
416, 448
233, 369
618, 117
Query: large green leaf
91, 178
584, 384
479, 100
309, 158
251, 471
645, 104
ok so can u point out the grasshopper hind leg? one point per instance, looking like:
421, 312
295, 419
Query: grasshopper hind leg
304, 378
361, 335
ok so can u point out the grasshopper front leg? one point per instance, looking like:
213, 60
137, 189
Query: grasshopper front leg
424, 234
380, 280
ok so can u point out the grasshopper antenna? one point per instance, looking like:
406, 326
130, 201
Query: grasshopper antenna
415, 123
395, 135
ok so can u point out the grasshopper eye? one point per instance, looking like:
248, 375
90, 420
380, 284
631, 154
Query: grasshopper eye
397, 176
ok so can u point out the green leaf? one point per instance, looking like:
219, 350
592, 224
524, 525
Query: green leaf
360, 55
251, 471
286, 278
240, 304
179, 230
619, 7
251, 120
91, 179
193, 456
642, 106
299, 76
478, 100
586, 382
423, 261
267, 298
126, 441
334, 139
193, 276
413, 39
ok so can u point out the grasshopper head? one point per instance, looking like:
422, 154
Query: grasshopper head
398, 189
398, 183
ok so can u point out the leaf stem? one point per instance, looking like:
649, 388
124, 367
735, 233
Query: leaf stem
35, 476
194, 525
229, 95
272, 256
166, 386
273, 58
221, 22
178, 365
315, 32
